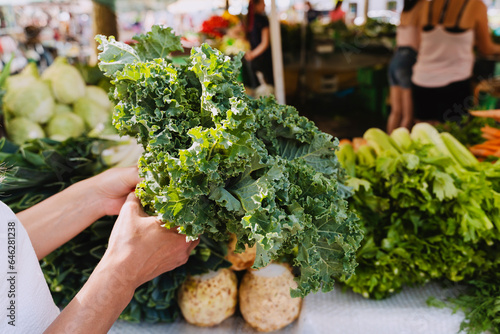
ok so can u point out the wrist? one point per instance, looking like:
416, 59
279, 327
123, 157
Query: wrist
115, 271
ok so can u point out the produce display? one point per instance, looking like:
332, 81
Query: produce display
57, 105
429, 209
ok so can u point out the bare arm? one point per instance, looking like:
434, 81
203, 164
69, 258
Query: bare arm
264, 44
139, 250
59, 218
483, 38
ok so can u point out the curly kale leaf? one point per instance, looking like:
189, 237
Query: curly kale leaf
158, 43
217, 161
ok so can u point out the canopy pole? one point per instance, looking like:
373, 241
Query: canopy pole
277, 55
365, 12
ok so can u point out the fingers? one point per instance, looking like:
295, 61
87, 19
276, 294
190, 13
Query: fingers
132, 206
129, 176
192, 245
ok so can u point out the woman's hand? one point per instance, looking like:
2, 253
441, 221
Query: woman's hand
249, 56
142, 247
112, 187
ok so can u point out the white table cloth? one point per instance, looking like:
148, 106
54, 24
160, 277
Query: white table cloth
339, 312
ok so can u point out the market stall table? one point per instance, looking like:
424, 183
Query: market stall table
340, 313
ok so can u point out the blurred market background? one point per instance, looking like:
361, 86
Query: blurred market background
335, 73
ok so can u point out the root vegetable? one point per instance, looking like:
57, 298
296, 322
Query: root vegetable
265, 300
240, 261
207, 300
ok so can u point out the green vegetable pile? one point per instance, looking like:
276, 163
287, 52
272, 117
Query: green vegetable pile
57, 105
429, 209
217, 161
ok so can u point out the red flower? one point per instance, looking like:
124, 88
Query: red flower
215, 26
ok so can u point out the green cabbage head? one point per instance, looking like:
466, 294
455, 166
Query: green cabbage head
60, 108
91, 112
65, 125
99, 96
22, 129
33, 101
66, 82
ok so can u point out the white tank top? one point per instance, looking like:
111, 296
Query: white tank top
25, 302
444, 56
407, 36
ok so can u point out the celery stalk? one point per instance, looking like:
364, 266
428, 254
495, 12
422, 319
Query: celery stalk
401, 137
459, 151
366, 155
427, 134
381, 142
347, 159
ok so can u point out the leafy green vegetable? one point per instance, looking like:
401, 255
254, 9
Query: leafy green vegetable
425, 216
65, 81
216, 161
42, 167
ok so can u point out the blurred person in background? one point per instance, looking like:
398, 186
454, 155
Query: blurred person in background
311, 13
401, 65
449, 30
258, 34
337, 14
34, 50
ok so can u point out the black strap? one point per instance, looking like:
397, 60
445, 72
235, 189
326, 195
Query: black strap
459, 17
443, 12
429, 18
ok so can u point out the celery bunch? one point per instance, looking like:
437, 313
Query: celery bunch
429, 209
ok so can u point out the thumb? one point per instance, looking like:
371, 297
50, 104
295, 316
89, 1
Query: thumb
132, 206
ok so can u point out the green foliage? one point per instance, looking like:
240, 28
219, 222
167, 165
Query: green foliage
42, 167
425, 216
216, 161
468, 130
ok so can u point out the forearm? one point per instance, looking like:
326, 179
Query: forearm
59, 218
97, 305
258, 50
264, 44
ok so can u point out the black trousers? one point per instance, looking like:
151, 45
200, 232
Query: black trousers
448, 103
